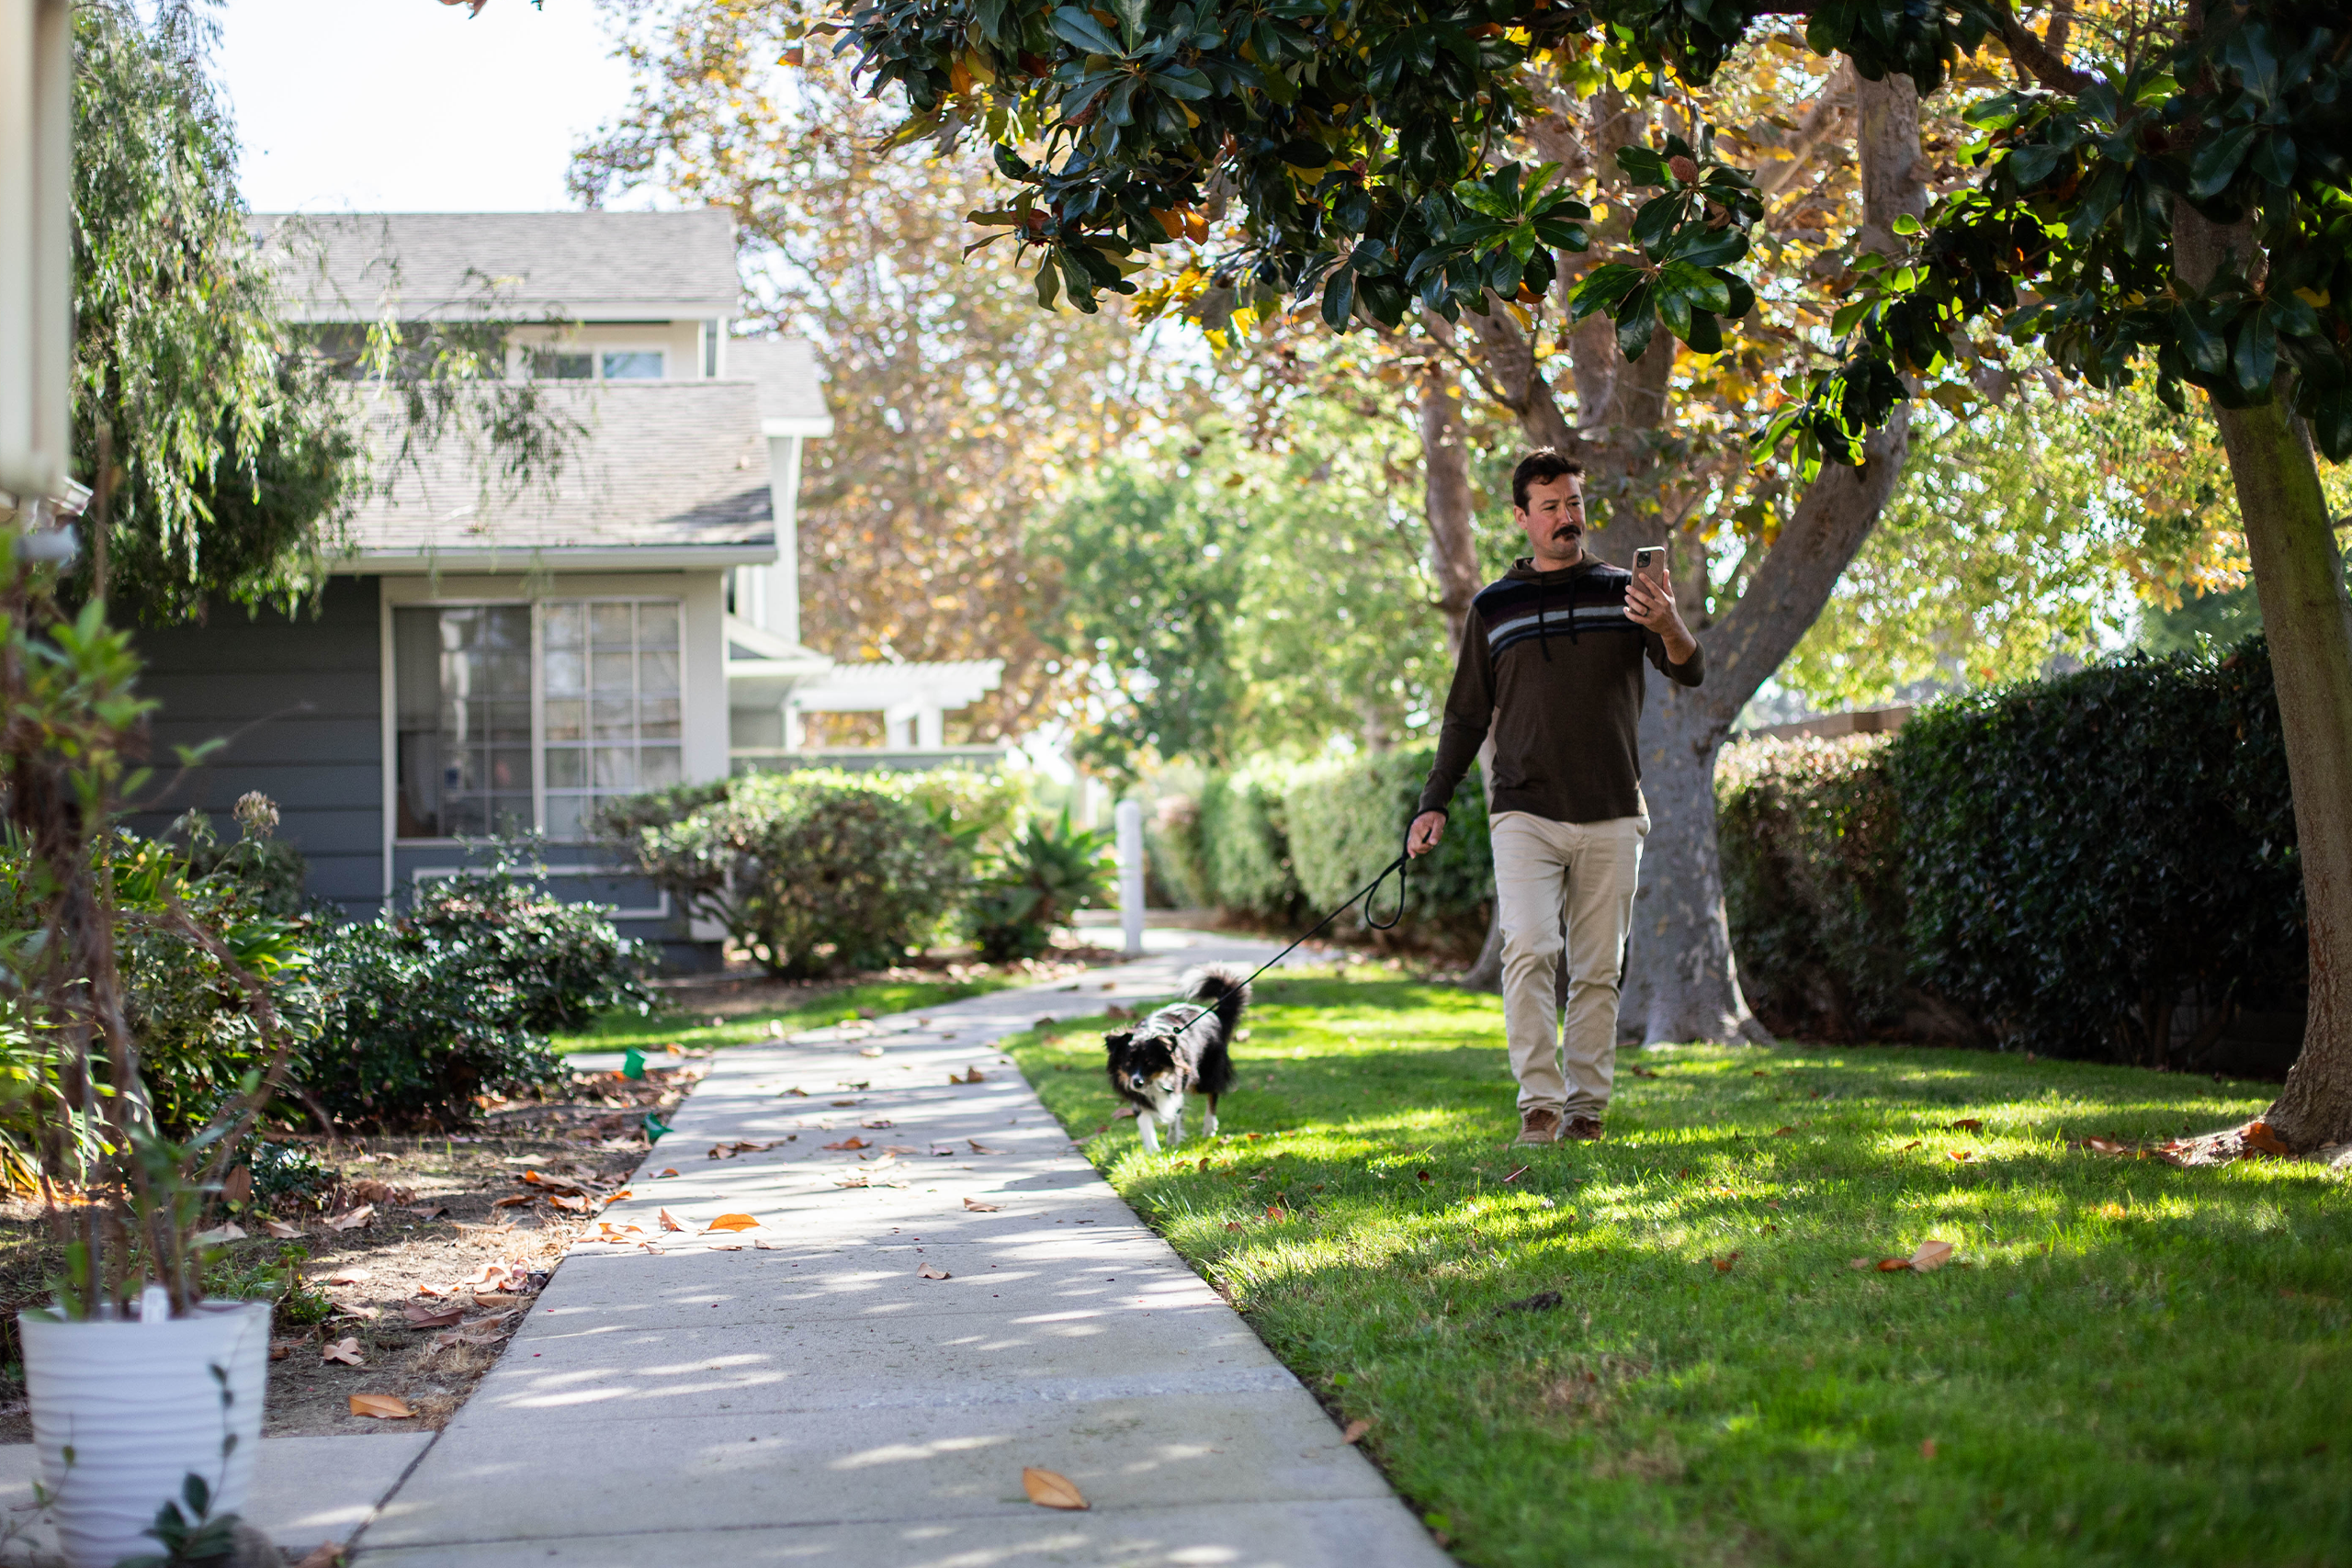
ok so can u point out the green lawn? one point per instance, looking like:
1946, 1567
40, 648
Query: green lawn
689, 1030
2125, 1363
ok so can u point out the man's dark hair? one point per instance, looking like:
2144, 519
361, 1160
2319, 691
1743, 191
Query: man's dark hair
1539, 467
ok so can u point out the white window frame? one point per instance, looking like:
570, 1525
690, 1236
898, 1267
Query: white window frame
537, 606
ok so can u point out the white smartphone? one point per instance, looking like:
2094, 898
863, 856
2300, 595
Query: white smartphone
1649, 565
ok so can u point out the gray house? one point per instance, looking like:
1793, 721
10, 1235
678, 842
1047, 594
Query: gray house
487, 660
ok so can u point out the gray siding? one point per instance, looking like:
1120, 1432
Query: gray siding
299, 702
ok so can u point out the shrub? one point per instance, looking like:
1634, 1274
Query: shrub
1813, 882
458, 996
2052, 866
1347, 819
1245, 843
272, 874
813, 872
1051, 872
2079, 852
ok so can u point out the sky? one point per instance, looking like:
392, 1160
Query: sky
407, 105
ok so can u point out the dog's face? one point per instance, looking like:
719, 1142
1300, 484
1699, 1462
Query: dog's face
1145, 1064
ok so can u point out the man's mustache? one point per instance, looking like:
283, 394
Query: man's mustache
1568, 531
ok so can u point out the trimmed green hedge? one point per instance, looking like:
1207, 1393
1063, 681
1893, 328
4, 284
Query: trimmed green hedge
1283, 842
2060, 862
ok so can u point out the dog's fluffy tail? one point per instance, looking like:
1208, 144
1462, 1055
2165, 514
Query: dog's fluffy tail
1227, 985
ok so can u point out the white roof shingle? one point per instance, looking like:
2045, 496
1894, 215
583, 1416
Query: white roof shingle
584, 266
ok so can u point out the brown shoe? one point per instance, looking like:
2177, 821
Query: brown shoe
1538, 1125
1585, 1128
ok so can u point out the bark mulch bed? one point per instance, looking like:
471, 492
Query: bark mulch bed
425, 1255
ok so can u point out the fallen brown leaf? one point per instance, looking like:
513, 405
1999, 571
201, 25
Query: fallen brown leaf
1966, 1124
1784, 1132
2106, 1147
569, 1205
801, 1092
1860, 1263
428, 1210
1275, 1213
519, 1200
230, 1230
1355, 1431
425, 1316
1723, 1265
356, 1219
1233, 1225
931, 1271
1048, 1489
1515, 1175
1963, 1155
371, 1190
348, 1276
1892, 1265
666, 1170
669, 1222
878, 1123
1642, 1072
2258, 1135
851, 1142
731, 1223
382, 1406
1908, 1147
1932, 1254
343, 1350
1928, 1449
980, 1148
979, 1208
970, 1074
281, 1229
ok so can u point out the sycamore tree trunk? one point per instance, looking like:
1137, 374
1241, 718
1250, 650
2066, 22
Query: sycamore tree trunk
1453, 550
1682, 981
2307, 617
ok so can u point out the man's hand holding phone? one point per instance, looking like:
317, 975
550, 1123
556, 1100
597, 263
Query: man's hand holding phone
1649, 603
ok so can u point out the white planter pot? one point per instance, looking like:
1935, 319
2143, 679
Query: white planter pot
122, 1411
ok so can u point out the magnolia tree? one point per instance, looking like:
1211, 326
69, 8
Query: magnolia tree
2169, 203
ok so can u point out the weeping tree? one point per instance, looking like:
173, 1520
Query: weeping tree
2174, 204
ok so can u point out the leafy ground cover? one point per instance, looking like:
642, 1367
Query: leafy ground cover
1677, 1347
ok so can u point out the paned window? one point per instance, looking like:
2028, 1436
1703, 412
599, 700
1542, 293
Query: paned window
513, 717
612, 703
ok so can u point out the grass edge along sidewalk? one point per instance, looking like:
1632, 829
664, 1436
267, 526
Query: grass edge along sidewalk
1677, 1346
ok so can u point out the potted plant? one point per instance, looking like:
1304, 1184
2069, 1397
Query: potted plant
145, 1396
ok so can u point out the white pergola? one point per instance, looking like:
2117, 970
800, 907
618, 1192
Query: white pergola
913, 699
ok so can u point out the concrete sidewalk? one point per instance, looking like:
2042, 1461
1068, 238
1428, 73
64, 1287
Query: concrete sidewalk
806, 1391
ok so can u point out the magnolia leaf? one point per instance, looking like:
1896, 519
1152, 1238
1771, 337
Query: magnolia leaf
356, 1219
979, 1208
1050, 1489
381, 1406
732, 1222
932, 1271
669, 1222
345, 1351
432, 1317
280, 1229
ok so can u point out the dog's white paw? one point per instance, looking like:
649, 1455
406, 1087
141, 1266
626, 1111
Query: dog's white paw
1150, 1131
1208, 1125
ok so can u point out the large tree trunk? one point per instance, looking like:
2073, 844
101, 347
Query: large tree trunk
1454, 551
1681, 982
2307, 615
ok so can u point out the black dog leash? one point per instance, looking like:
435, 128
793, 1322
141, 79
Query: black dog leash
1398, 865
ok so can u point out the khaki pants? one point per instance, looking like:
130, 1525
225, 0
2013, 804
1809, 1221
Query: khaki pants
1581, 875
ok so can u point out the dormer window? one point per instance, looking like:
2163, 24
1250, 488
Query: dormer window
607, 364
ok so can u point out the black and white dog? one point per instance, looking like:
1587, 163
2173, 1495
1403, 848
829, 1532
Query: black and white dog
1168, 1056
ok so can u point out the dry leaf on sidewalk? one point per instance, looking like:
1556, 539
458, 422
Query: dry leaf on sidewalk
343, 1350
731, 1223
382, 1406
932, 1271
1049, 1489
669, 1222
979, 1208
969, 1075
852, 1143
869, 1050
666, 1170
980, 1148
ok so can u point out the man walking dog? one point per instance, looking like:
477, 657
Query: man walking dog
1551, 662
